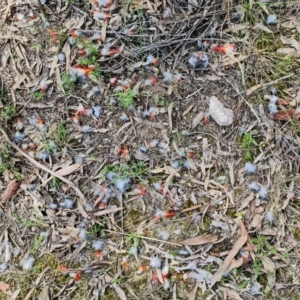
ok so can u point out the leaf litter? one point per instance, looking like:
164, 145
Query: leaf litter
107, 127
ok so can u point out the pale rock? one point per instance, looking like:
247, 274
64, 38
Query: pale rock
223, 116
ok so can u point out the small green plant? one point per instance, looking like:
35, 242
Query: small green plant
68, 82
247, 144
60, 134
38, 95
25, 222
126, 98
3, 167
97, 231
8, 112
133, 170
36, 244
55, 183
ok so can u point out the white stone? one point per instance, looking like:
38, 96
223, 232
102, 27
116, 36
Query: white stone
223, 116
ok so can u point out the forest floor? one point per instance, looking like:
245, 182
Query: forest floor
117, 180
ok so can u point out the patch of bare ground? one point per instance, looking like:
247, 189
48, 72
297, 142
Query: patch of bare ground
118, 177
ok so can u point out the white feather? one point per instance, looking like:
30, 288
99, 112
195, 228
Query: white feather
254, 186
111, 175
67, 203
255, 289
163, 234
250, 168
133, 250
19, 136
98, 244
175, 164
262, 193
168, 77
28, 263
270, 217
122, 184
165, 270
61, 57
155, 262
53, 206
4, 266
86, 129
97, 110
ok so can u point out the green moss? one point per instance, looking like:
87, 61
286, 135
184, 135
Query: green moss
297, 234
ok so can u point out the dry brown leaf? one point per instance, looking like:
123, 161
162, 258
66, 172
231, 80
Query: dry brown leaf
253, 89
68, 170
107, 211
283, 115
288, 51
119, 291
262, 27
11, 190
267, 263
4, 286
233, 252
232, 294
282, 102
198, 119
199, 240
297, 117
256, 222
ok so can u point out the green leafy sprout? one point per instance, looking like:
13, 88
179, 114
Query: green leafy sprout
126, 98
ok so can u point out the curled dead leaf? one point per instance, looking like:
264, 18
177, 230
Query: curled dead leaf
200, 240
283, 115
11, 190
282, 102
4, 286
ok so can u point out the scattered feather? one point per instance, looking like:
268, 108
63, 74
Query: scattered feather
262, 193
271, 19
61, 57
79, 159
255, 289
98, 244
122, 184
201, 275
111, 175
144, 149
86, 129
168, 77
250, 168
186, 164
183, 252
19, 136
124, 117
28, 263
133, 250
175, 164
155, 262
83, 234
4, 266
96, 90
97, 110
67, 203
270, 217
273, 109
43, 155
112, 101
53, 206
157, 185
163, 234
254, 187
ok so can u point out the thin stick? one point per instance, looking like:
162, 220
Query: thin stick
144, 237
44, 168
